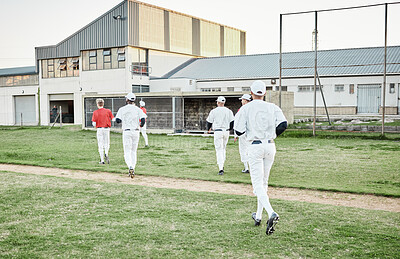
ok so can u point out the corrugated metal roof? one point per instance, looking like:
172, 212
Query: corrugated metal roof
15, 71
357, 61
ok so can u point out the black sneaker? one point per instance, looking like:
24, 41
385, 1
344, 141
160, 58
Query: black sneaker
272, 221
131, 173
257, 222
101, 163
221, 172
107, 159
246, 172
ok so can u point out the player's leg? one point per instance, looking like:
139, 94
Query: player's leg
127, 143
256, 162
134, 146
144, 134
218, 143
100, 144
107, 143
273, 217
243, 153
225, 142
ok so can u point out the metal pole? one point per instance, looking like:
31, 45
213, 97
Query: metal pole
384, 73
60, 117
21, 120
323, 99
315, 73
173, 113
280, 63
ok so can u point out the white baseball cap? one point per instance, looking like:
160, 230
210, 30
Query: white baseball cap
142, 103
221, 99
258, 88
245, 97
131, 97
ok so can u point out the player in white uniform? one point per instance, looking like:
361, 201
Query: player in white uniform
143, 129
245, 99
220, 120
262, 122
130, 115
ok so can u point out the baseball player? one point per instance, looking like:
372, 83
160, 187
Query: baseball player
130, 115
262, 122
245, 99
101, 120
220, 120
143, 129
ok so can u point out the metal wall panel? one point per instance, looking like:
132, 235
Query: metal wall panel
133, 33
222, 40
242, 43
104, 32
196, 36
368, 98
166, 31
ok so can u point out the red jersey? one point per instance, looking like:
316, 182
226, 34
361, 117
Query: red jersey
102, 117
144, 110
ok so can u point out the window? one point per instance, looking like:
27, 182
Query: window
284, 87
269, 88
140, 88
107, 58
92, 60
121, 57
246, 89
211, 89
62, 64
307, 88
391, 88
230, 89
339, 88
351, 89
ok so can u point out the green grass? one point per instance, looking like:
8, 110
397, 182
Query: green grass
349, 162
49, 217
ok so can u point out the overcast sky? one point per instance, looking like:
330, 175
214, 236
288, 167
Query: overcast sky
26, 24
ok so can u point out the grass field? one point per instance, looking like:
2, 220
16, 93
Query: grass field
349, 162
49, 217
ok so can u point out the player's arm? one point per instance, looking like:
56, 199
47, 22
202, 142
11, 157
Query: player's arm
239, 124
281, 121
209, 121
143, 117
118, 117
281, 128
94, 118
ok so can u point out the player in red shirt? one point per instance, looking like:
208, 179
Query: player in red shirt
101, 119
143, 129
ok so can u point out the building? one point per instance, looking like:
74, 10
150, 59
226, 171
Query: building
351, 79
179, 64
114, 54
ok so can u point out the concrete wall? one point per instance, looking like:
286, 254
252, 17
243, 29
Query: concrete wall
7, 105
176, 85
163, 62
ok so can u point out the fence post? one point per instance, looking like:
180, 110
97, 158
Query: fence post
60, 117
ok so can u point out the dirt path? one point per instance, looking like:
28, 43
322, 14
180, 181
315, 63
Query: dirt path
323, 197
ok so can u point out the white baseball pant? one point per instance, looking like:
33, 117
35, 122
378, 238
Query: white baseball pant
144, 134
261, 157
103, 141
130, 140
243, 145
220, 141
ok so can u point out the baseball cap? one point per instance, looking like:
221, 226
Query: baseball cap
246, 97
258, 88
131, 96
142, 103
221, 99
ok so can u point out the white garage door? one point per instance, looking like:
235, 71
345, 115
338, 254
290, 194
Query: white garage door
25, 109
368, 98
